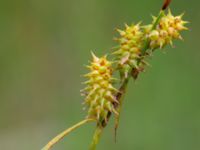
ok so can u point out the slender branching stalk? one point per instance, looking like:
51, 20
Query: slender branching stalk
66, 132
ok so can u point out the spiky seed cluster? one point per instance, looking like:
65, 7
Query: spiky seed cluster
168, 29
99, 91
130, 46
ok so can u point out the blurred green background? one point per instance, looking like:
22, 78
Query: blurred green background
43, 48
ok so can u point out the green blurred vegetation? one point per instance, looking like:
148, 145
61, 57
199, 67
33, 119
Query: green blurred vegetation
43, 48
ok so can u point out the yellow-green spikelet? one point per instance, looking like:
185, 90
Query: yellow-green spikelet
130, 46
168, 29
100, 94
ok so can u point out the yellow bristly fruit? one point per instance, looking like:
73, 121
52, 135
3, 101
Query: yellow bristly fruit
130, 46
100, 93
168, 29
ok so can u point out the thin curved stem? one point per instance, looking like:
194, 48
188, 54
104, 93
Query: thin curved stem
66, 132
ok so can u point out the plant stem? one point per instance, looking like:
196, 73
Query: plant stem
120, 98
96, 137
66, 132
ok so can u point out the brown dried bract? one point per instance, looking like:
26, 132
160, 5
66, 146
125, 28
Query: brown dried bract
166, 4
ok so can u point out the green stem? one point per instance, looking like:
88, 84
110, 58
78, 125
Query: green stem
120, 98
66, 132
96, 137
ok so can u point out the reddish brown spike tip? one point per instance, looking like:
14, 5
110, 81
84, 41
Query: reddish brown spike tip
166, 4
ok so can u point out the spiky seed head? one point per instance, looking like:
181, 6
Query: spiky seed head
169, 28
99, 91
130, 45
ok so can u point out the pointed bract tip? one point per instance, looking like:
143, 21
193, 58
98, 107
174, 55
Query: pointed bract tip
126, 25
94, 57
139, 23
169, 12
105, 56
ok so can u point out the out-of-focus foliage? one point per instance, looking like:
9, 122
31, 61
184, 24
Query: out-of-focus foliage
44, 45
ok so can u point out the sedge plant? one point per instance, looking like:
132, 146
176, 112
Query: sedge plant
103, 93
